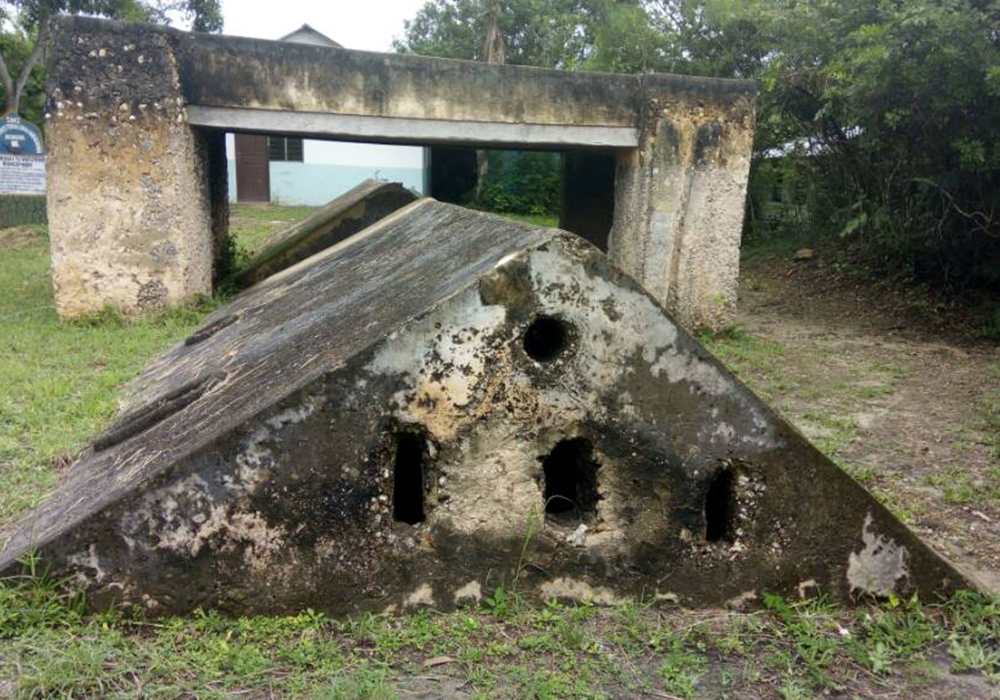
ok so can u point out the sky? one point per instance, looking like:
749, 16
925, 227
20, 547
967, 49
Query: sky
368, 25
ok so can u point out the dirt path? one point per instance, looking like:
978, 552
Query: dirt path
885, 383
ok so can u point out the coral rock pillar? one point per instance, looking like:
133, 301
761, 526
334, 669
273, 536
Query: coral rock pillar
129, 195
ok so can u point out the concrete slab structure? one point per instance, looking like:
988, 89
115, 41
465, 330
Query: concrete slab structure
345, 216
136, 112
436, 406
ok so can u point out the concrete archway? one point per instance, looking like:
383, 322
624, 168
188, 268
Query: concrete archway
136, 117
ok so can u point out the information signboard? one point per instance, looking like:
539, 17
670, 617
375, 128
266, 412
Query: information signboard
22, 175
19, 138
22, 158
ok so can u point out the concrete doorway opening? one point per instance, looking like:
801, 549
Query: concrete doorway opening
575, 187
571, 189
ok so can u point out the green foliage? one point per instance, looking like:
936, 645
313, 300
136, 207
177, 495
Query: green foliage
15, 47
894, 117
204, 15
521, 183
232, 256
605, 35
888, 113
551, 33
25, 19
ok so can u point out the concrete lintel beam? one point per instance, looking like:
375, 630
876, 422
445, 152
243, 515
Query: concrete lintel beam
352, 127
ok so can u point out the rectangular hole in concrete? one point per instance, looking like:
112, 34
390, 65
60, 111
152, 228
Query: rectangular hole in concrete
408, 479
570, 479
719, 506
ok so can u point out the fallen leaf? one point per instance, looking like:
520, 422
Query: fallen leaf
438, 660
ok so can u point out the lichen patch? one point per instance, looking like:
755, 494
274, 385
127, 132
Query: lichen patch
878, 567
565, 588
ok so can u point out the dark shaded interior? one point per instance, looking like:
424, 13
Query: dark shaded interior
570, 478
719, 507
408, 479
546, 338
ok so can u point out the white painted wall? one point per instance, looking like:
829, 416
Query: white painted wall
362, 154
330, 168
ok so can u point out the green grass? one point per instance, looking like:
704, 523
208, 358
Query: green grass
58, 381
990, 413
806, 649
757, 361
547, 220
251, 224
783, 245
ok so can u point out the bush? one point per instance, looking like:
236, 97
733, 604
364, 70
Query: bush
521, 182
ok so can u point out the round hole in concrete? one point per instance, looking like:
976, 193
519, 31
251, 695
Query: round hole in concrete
546, 338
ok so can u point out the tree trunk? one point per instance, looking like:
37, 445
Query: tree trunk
13, 89
493, 52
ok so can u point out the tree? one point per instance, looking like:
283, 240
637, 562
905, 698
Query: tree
202, 15
28, 20
548, 33
889, 113
493, 52
902, 102
15, 46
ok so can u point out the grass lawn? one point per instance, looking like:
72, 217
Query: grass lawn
58, 380
58, 384
252, 223
549, 220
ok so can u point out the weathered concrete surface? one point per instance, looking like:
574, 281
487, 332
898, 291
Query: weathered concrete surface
679, 206
129, 194
341, 218
381, 425
682, 147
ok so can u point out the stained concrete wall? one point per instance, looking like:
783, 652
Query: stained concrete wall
679, 205
133, 203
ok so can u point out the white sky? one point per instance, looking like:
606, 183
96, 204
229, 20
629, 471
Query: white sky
368, 25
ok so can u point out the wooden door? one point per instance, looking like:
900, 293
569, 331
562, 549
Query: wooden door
253, 177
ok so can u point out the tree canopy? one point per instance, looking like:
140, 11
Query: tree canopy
23, 28
878, 119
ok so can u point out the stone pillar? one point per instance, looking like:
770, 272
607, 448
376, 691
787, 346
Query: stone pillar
588, 195
679, 204
129, 196
212, 150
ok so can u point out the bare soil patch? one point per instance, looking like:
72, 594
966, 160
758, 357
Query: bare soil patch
20, 236
894, 386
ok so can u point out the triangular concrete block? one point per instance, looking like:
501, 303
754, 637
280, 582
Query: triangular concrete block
448, 402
